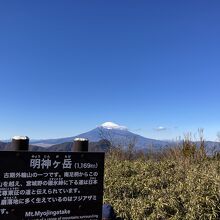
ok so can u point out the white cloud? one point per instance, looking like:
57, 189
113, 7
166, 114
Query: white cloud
160, 128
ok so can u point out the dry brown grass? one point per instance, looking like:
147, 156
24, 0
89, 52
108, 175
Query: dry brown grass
179, 183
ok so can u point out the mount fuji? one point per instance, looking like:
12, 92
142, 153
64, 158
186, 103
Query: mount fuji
116, 134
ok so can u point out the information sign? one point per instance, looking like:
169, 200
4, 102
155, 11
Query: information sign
51, 185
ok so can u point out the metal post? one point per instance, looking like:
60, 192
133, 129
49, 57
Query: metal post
20, 143
80, 144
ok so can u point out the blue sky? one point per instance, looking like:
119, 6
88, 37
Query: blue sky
68, 66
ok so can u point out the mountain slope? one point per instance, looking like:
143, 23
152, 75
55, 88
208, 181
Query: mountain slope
116, 134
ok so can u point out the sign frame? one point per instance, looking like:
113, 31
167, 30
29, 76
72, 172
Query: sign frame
72, 180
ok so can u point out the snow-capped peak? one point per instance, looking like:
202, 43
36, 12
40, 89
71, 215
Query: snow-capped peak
111, 125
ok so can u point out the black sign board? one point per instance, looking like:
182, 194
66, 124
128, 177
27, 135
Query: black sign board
51, 185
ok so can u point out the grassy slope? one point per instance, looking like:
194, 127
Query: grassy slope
168, 189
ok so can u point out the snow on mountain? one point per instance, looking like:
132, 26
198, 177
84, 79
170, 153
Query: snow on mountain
111, 125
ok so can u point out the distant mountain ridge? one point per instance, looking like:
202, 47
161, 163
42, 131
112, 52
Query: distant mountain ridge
100, 146
115, 134
119, 135
2, 145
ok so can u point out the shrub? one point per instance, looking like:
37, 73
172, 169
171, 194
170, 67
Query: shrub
167, 189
